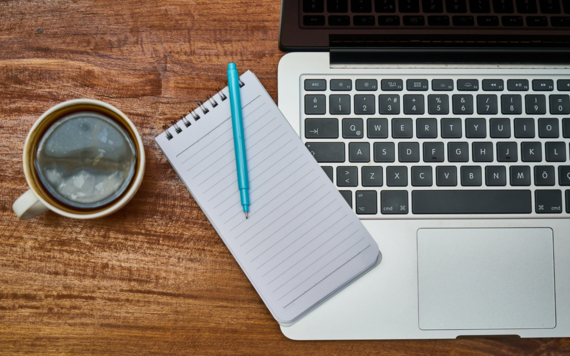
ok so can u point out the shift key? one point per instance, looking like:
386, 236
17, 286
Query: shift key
327, 151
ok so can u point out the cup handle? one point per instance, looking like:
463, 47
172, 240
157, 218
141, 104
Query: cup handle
28, 205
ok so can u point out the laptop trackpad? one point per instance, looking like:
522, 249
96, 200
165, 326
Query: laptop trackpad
486, 278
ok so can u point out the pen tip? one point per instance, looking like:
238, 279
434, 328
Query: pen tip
246, 214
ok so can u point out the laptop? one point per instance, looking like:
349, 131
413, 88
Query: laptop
445, 124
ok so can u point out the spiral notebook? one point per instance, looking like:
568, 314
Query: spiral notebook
302, 241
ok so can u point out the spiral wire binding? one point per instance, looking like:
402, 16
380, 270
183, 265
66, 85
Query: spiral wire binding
195, 115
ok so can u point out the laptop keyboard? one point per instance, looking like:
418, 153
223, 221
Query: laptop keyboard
398, 147
435, 13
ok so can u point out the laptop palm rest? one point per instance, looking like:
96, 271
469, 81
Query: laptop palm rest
471, 279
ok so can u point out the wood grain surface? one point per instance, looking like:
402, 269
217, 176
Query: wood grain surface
153, 278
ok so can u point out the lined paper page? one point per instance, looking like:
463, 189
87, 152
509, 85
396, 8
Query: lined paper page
301, 241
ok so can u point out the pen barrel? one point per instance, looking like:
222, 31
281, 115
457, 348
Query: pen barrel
237, 126
244, 195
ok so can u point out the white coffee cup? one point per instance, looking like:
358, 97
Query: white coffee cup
37, 199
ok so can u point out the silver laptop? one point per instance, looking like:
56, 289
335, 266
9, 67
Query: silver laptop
445, 124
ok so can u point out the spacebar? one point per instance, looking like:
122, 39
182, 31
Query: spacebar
471, 201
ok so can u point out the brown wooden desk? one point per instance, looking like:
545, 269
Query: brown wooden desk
153, 278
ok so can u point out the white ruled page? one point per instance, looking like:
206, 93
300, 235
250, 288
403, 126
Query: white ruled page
302, 241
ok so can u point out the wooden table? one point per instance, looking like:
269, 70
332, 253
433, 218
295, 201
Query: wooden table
153, 278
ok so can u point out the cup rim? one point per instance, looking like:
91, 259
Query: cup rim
137, 179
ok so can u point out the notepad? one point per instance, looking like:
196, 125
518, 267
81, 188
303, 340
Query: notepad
302, 241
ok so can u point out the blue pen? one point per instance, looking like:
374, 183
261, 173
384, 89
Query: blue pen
239, 138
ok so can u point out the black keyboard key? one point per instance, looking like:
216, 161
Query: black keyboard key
517, 84
384, 152
543, 85
421, 176
366, 202
566, 127
559, 104
500, 128
315, 85
511, 104
392, 84
442, 84
339, 104
548, 128
548, 201
359, 152
555, 151
414, 104
549, 6
389, 104
480, 6
531, 152
475, 128
352, 128
327, 152
544, 175
396, 176
339, 21
346, 176
467, 84
507, 152
537, 21
568, 201
520, 176
315, 104
377, 128
471, 176
566, 5
471, 201
433, 152
493, 84
458, 152
438, 20
564, 175
432, 6
366, 84
487, 21
337, 6
438, 104
402, 128
463, 104
524, 128
347, 195
329, 172
311, 6
417, 84
321, 128
426, 128
482, 151
364, 104
563, 85
527, 7
313, 20
385, 6
394, 202
487, 104
495, 176
341, 84
451, 128
409, 152
503, 7
510, 21
372, 176
456, 6
446, 176
360, 6
409, 6
463, 21
363, 20
535, 104
388, 20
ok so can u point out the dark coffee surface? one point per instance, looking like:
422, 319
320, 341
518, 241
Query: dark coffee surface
86, 160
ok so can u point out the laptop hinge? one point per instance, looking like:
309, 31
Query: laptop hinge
442, 55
